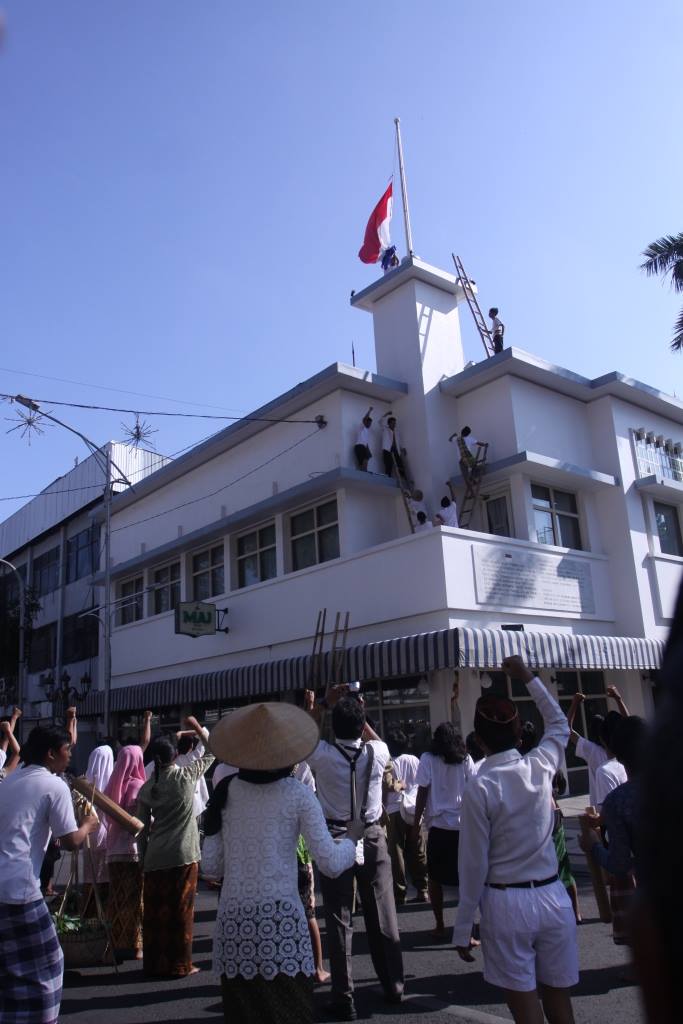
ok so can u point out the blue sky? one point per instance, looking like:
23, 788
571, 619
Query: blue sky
185, 186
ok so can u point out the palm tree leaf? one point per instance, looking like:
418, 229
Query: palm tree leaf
664, 255
677, 340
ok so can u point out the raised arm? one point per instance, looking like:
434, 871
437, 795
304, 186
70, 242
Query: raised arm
577, 700
146, 734
71, 726
9, 743
201, 762
616, 696
556, 729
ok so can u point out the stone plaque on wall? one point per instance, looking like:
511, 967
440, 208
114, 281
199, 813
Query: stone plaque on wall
528, 579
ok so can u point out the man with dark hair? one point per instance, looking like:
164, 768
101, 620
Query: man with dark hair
392, 451
362, 449
507, 861
405, 848
348, 775
497, 330
34, 803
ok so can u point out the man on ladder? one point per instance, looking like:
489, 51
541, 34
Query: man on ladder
472, 453
392, 452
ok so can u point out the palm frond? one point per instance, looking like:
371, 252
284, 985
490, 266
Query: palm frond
663, 255
677, 340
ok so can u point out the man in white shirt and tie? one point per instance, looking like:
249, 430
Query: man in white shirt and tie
348, 775
392, 450
507, 861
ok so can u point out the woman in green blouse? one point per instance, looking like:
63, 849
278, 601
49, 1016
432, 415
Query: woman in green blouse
170, 847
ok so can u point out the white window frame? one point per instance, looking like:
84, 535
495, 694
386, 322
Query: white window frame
676, 509
194, 573
258, 551
156, 587
132, 601
313, 532
555, 513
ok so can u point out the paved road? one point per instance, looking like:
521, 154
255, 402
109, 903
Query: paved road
440, 988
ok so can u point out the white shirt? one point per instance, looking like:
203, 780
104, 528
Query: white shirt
421, 527
201, 792
496, 325
261, 928
33, 804
446, 784
507, 815
333, 778
304, 774
449, 515
389, 437
610, 775
405, 770
363, 436
595, 756
3, 758
222, 772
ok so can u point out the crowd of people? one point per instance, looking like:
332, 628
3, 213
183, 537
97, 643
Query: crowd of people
477, 818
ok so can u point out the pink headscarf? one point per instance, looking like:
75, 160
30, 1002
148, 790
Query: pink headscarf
125, 782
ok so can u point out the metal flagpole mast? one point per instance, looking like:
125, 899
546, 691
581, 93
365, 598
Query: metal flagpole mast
404, 188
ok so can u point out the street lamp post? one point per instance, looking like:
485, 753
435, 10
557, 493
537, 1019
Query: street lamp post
22, 629
105, 462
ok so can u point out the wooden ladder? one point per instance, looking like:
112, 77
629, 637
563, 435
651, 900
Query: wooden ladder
472, 488
317, 677
466, 284
406, 490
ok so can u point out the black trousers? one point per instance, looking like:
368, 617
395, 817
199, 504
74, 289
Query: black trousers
388, 458
376, 889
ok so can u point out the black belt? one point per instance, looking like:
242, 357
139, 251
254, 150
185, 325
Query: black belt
522, 885
338, 823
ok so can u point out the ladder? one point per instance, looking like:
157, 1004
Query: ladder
472, 488
338, 649
406, 490
466, 285
317, 677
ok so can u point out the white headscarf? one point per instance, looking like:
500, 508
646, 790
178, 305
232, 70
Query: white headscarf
100, 766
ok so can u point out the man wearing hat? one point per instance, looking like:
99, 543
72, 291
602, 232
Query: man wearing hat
349, 776
507, 861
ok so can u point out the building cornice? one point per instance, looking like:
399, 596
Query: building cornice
545, 470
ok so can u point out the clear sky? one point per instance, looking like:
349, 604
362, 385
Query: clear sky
185, 186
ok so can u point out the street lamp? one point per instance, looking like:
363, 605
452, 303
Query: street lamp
63, 692
22, 629
105, 462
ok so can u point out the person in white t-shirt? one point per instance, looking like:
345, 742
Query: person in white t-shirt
361, 449
447, 514
612, 773
405, 848
592, 750
441, 777
34, 803
496, 330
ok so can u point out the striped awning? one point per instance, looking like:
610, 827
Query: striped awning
486, 648
460, 647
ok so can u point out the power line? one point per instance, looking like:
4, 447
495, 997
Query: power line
212, 494
151, 412
120, 391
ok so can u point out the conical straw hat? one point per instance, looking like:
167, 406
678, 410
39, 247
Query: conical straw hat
264, 737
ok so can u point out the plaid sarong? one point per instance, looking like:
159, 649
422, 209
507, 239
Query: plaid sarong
31, 964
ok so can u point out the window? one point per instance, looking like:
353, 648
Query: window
166, 588
46, 572
401, 704
314, 535
130, 593
9, 587
208, 577
83, 554
497, 516
654, 455
668, 528
80, 638
256, 556
42, 653
556, 517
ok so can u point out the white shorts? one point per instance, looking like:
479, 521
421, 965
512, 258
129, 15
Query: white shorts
528, 937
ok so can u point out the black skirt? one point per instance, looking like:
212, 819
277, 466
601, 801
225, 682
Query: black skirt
442, 855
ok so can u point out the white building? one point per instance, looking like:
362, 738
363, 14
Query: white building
55, 541
577, 538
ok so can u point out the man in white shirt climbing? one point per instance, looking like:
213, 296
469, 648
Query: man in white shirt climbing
507, 861
348, 775
592, 750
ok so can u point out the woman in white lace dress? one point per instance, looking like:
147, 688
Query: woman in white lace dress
262, 948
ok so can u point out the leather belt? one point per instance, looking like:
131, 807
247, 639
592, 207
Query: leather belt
522, 885
338, 823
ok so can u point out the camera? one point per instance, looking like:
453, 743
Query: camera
354, 687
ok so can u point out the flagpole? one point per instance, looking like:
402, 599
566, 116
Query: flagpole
404, 188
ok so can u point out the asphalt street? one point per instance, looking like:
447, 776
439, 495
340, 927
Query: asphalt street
440, 988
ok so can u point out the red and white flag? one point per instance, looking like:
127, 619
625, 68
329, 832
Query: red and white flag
377, 232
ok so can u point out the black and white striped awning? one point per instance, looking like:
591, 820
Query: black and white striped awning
460, 647
486, 648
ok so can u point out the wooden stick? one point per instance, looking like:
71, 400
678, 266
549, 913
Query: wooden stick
599, 887
109, 806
